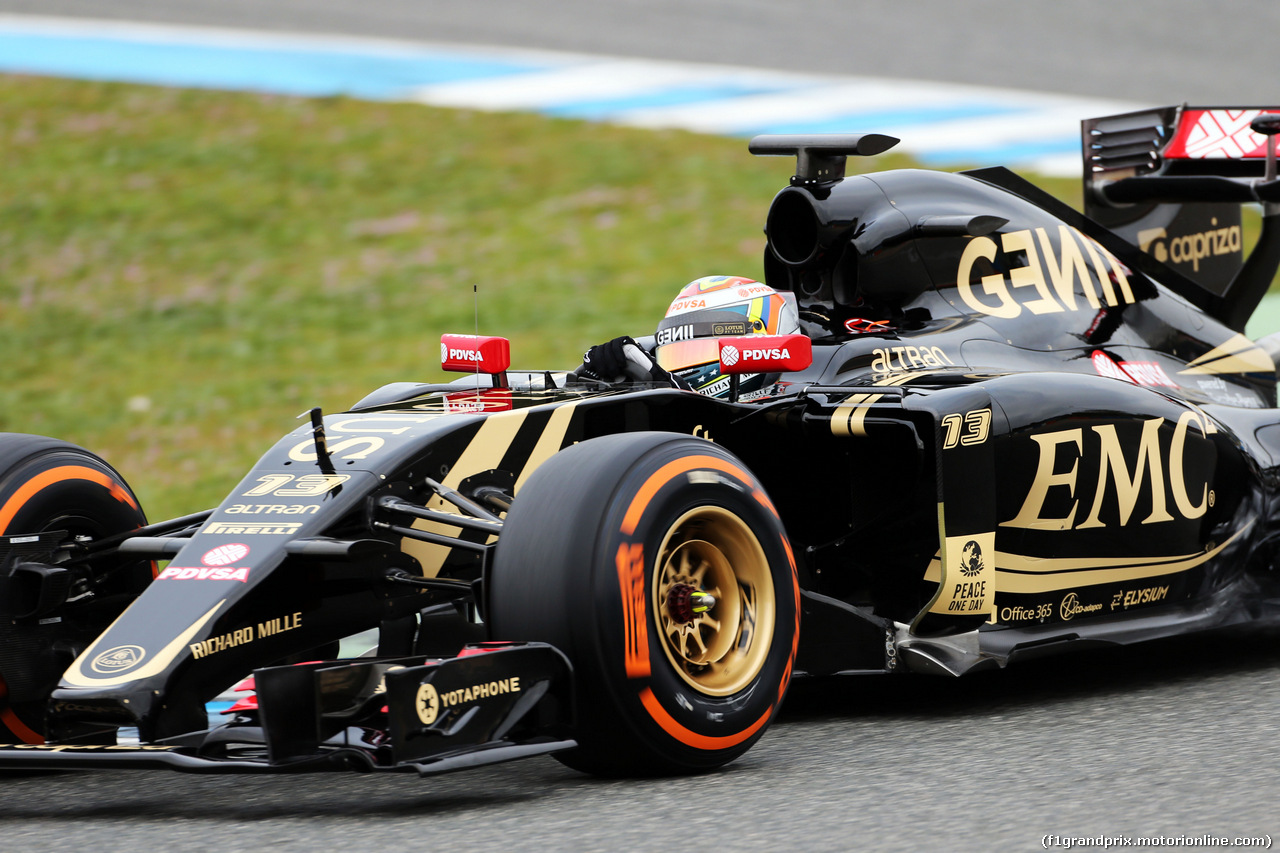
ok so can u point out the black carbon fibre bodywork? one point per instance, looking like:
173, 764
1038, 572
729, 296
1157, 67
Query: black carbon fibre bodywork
1018, 434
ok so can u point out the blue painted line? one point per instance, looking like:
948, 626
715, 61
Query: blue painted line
887, 121
606, 108
385, 70
284, 70
1011, 153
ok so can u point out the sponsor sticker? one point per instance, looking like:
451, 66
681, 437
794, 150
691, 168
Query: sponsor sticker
224, 555
118, 659
253, 528
205, 573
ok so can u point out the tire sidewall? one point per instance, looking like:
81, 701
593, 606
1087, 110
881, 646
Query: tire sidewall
666, 713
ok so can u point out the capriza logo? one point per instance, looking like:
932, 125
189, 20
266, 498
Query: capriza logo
1190, 248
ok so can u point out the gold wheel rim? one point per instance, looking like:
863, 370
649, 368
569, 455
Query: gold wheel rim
720, 651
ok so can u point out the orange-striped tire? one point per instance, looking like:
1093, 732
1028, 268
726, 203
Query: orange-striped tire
46, 485
609, 553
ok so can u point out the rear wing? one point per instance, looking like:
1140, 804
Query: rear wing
1173, 180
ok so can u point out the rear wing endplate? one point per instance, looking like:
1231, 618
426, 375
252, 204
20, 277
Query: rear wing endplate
1172, 181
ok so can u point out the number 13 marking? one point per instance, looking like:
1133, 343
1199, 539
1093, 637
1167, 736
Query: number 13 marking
969, 428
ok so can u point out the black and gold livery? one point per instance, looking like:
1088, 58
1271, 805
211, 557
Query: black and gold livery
1018, 433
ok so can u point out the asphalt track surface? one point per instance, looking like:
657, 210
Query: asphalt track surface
1175, 739
1151, 51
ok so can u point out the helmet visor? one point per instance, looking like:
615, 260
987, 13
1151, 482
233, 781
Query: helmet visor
682, 354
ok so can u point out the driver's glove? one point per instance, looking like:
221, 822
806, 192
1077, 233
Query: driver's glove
622, 360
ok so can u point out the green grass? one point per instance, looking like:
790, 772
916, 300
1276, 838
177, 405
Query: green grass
182, 272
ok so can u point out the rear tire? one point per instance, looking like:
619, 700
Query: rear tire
604, 554
47, 484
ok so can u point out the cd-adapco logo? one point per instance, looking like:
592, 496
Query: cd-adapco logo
225, 555
118, 659
729, 356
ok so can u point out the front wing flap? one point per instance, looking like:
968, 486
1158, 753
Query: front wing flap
491, 703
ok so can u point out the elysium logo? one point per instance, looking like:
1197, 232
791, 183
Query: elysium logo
971, 559
118, 659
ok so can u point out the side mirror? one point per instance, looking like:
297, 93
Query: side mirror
476, 354
763, 354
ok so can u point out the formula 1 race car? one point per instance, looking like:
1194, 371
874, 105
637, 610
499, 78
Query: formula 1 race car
1008, 429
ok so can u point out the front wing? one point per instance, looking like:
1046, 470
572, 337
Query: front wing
491, 703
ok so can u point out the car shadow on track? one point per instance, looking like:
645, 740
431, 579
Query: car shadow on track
1098, 672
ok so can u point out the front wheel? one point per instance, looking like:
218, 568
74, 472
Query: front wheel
658, 564
50, 485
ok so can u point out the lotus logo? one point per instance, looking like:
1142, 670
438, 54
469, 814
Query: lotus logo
729, 356
119, 659
971, 559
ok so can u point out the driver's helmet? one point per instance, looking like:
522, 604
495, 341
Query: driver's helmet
714, 307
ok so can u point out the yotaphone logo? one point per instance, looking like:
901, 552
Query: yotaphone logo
729, 356
225, 555
118, 659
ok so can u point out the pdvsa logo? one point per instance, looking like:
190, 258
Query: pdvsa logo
225, 555
464, 355
730, 356
765, 354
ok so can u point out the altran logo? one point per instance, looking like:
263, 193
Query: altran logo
729, 356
